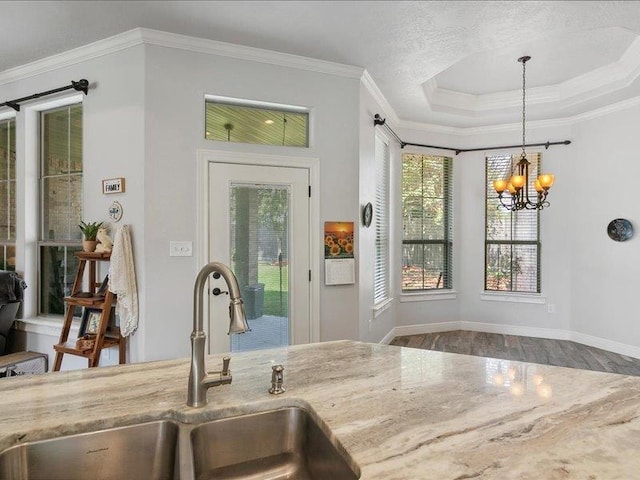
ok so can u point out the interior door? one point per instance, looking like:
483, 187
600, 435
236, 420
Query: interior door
259, 226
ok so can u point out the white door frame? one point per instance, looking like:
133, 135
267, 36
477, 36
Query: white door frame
204, 159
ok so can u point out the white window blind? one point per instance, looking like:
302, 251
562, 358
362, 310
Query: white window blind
427, 249
60, 185
512, 240
8, 195
381, 215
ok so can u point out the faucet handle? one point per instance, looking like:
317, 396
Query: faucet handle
225, 366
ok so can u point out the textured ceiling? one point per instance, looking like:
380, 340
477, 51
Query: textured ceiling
447, 63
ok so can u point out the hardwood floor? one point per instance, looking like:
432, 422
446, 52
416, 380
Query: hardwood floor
526, 349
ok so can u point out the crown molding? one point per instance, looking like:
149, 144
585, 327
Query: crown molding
570, 93
606, 110
139, 36
214, 47
71, 57
378, 96
625, 72
514, 127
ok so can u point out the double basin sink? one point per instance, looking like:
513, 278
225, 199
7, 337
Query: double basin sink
286, 443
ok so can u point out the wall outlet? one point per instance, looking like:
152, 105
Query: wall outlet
551, 308
180, 249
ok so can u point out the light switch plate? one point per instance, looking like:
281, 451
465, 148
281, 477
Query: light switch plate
180, 249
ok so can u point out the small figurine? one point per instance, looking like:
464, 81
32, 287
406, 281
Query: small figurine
106, 244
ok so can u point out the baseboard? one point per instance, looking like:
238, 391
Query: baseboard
604, 344
522, 331
403, 330
551, 333
388, 337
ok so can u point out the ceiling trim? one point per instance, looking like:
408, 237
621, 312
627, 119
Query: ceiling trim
601, 81
139, 36
514, 127
214, 47
71, 57
378, 96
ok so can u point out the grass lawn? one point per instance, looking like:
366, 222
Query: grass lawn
270, 276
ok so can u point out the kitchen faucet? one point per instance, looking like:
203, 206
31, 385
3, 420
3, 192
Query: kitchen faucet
199, 380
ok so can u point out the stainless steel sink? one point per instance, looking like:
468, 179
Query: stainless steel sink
143, 451
274, 445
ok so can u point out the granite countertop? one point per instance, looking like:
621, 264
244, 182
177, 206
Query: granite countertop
401, 413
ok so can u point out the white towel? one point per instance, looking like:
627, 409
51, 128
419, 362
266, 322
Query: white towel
122, 281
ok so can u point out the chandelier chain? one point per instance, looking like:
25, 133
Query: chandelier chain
524, 68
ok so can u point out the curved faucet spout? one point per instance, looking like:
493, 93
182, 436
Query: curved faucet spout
199, 382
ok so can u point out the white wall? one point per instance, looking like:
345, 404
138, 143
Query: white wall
469, 223
432, 309
113, 147
588, 281
144, 120
556, 245
605, 275
177, 82
373, 328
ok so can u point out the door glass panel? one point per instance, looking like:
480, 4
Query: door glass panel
259, 217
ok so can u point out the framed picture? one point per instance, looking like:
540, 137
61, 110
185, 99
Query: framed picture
113, 185
90, 322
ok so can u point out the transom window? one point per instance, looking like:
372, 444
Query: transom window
512, 239
245, 122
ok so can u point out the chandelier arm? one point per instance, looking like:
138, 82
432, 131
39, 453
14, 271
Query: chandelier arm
509, 207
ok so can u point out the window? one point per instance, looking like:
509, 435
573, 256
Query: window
512, 240
8, 195
60, 204
427, 248
254, 123
381, 215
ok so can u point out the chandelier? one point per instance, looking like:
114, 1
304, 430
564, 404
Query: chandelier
517, 187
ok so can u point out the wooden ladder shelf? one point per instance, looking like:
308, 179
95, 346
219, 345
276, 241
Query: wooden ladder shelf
101, 303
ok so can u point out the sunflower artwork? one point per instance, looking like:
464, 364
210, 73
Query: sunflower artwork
338, 240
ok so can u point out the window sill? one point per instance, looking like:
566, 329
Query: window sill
51, 326
381, 307
428, 296
513, 297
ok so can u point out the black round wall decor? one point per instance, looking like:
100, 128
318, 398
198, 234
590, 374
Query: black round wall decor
367, 214
620, 229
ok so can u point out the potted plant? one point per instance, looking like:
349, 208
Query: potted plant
89, 231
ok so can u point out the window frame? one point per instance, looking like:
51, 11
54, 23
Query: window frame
68, 243
534, 171
447, 241
8, 242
